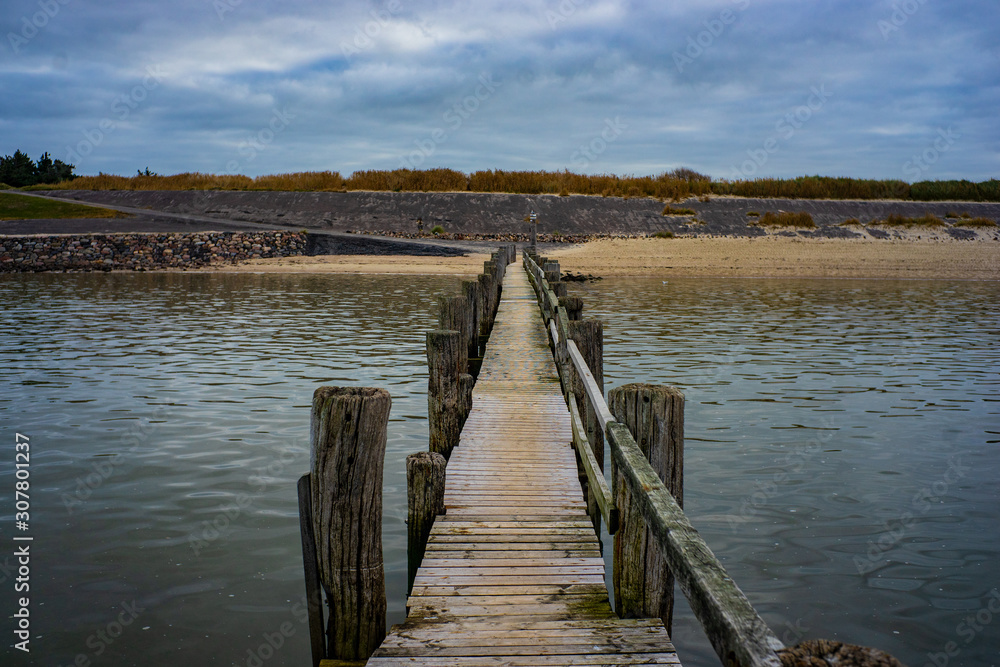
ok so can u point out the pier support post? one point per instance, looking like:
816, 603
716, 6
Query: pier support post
348, 432
644, 586
551, 270
425, 477
447, 359
573, 306
589, 338
473, 292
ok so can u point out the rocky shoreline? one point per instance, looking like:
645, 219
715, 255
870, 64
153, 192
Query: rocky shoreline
143, 252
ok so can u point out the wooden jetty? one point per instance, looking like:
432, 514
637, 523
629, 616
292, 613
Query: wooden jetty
513, 572
505, 564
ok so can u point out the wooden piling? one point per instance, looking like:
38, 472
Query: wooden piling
314, 586
473, 292
573, 306
644, 586
425, 477
348, 433
589, 338
447, 359
551, 270
455, 314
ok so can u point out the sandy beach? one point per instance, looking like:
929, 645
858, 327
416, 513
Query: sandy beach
773, 256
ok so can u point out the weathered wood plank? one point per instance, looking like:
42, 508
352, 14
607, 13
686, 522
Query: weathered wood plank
512, 573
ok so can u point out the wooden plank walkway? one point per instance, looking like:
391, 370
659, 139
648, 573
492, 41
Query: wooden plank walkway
513, 573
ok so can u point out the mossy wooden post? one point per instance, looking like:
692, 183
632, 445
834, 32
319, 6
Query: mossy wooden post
644, 586
348, 430
559, 288
447, 358
573, 306
589, 338
474, 293
425, 477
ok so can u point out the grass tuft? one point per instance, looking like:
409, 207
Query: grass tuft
670, 210
664, 234
896, 220
976, 222
753, 214
787, 219
437, 229
850, 221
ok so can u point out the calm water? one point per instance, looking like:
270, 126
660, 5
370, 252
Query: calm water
842, 450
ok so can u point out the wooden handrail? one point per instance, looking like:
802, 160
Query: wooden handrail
602, 493
594, 393
738, 634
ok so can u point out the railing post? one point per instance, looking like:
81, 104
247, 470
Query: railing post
348, 431
425, 480
589, 338
644, 586
447, 359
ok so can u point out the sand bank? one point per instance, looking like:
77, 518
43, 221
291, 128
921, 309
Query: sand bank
778, 257
782, 257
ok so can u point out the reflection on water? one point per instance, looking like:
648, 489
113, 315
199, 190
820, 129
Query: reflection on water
841, 449
169, 417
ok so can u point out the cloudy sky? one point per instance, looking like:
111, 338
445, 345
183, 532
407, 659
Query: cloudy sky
733, 88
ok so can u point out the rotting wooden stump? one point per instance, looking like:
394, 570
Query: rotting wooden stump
348, 432
654, 415
425, 480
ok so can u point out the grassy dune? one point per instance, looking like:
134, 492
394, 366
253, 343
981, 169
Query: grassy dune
22, 207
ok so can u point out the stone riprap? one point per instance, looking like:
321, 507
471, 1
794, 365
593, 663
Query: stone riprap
142, 252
